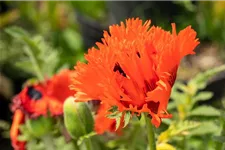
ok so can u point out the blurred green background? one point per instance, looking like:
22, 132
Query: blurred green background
63, 31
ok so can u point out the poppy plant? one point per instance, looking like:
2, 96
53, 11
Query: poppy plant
39, 99
134, 67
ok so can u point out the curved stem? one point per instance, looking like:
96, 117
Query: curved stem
150, 133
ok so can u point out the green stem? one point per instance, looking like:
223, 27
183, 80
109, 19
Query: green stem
88, 144
76, 146
135, 136
49, 143
184, 143
150, 133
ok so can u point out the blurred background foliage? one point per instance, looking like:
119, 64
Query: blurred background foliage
55, 35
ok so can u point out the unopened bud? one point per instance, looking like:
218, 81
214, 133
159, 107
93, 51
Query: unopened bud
78, 118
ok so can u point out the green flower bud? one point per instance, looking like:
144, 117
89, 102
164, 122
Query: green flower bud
40, 126
78, 118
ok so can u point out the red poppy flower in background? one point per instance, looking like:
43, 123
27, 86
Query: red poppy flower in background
41, 98
18, 119
38, 100
134, 68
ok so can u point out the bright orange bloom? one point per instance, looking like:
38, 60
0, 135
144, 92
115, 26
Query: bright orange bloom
18, 119
41, 98
134, 68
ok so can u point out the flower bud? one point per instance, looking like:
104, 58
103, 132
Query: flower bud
78, 118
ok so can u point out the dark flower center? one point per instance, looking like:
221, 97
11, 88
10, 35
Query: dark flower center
33, 93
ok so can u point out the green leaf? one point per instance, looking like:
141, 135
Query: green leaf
177, 128
183, 127
16, 32
202, 96
117, 116
41, 59
118, 122
73, 39
208, 127
171, 105
36, 128
208, 111
220, 139
62, 144
114, 115
35, 145
127, 117
113, 109
25, 65
200, 80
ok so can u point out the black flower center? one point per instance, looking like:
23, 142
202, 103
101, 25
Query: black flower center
33, 93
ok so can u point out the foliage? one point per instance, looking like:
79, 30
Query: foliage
40, 38
40, 59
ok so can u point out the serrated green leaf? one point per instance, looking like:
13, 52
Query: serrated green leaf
25, 65
205, 111
180, 86
117, 116
176, 129
200, 80
16, 32
114, 115
43, 59
118, 122
206, 128
171, 105
113, 109
183, 127
127, 117
202, 96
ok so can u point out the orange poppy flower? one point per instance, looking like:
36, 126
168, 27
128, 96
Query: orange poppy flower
41, 98
134, 67
18, 119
